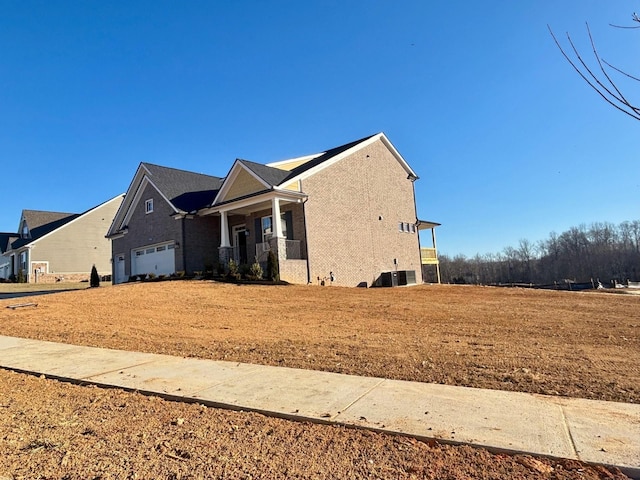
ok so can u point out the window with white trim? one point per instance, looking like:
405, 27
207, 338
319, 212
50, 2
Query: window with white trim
267, 227
148, 206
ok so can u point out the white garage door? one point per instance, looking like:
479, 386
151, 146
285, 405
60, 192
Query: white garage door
156, 259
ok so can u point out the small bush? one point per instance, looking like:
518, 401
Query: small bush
95, 278
234, 272
21, 278
256, 272
273, 271
142, 276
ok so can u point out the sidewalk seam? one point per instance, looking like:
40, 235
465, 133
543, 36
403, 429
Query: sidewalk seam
359, 398
567, 428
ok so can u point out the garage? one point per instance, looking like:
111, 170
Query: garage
156, 259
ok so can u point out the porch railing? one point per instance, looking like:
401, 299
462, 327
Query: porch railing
429, 256
293, 250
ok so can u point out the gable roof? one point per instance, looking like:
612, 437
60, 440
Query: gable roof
277, 175
54, 221
324, 159
320, 158
184, 191
40, 223
272, 176
6, 239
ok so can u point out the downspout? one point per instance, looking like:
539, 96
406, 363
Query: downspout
306, 235
183, 246
413, 179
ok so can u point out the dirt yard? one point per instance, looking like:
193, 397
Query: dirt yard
575, 344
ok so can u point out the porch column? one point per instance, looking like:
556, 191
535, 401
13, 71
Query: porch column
277, 221
224, 230
435, 248
278, 242
225, 251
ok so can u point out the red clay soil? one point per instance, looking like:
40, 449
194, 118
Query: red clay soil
575, 344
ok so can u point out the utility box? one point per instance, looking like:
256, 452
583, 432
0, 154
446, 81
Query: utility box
389, 279
406, 277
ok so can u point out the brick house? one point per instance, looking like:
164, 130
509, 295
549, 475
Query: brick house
346, 216
54, 246
157, 229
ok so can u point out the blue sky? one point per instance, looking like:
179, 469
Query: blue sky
508, 141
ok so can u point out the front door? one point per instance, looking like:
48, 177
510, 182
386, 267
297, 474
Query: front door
240, 244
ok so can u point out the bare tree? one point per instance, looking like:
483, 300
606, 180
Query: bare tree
602, 81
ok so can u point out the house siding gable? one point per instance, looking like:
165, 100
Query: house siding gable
78, 245
243, 184
352, 216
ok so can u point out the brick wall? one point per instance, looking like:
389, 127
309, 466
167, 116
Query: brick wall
353, 212
150, 229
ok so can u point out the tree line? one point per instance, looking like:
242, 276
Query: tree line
599, 252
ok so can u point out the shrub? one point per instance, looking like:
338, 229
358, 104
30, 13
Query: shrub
21, 278
234, 273
256, 272
95, 278
142, 276
273, 271
151, 276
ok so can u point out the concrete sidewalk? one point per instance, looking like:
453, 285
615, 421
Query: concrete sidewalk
592, 431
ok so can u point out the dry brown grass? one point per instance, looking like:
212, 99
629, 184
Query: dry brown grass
574, 344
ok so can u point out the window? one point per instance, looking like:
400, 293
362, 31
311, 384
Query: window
150, 250
23, 260
139, 253
267, 227
413, 228
148, 206
161, 248
25, 229
401, 227
171, 247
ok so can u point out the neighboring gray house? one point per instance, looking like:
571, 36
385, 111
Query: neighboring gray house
346, 214
55, 246
5, 262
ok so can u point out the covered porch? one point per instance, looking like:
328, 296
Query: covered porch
429, 254
270, 221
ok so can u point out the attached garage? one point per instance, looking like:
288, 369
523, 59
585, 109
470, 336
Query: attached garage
156, 259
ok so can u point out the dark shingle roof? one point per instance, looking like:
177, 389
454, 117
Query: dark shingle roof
5, 239
324, 157
271, 175
187, 191
41, 223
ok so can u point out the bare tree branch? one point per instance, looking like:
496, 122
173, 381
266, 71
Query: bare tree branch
637, 79
635, 17
606, 88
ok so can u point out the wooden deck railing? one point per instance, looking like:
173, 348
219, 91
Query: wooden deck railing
429, 256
